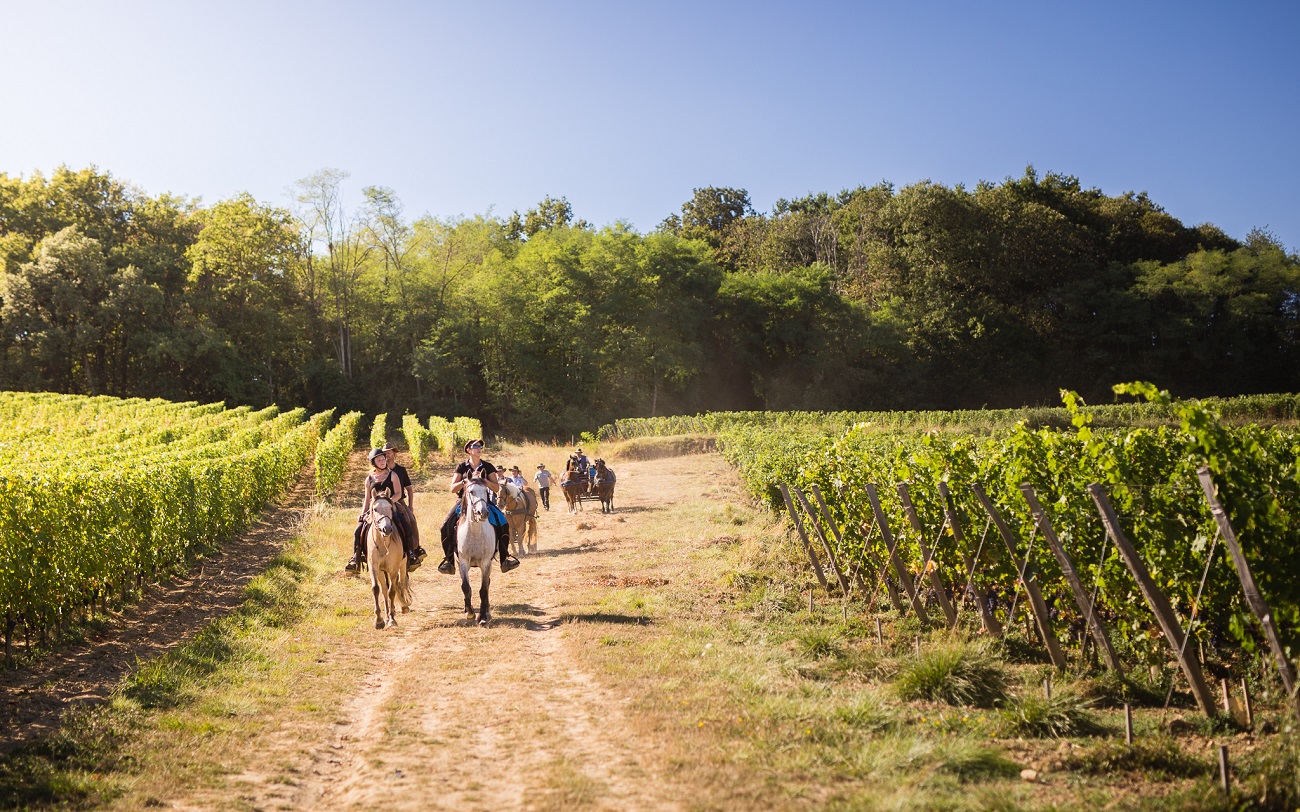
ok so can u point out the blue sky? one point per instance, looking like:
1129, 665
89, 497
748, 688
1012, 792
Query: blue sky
624, 108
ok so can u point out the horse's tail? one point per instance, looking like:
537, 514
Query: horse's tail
531, 533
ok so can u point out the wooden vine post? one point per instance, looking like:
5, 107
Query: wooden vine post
867, 556
1254, 598
1156, 600
991, 624
1095, 627
928, 561
826, 544
899, 567
803, 536
1030, 583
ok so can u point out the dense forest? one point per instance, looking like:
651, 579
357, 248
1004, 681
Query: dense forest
876, 297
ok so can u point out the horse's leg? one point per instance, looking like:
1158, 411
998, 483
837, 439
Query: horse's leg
390, 598
464, 587
374, 588
532, 534
404, 587
485, 612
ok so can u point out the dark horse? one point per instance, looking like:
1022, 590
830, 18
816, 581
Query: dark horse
603, 486
574, 484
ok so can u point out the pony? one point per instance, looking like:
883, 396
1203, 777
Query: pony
603, 486
520, 506
388, 574
476, 543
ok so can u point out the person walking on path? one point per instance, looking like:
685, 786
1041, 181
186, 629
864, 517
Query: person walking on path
543, 479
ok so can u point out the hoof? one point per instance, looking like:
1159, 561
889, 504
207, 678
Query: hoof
483, 622
532, 548
469, 616
392, 622
379, 623
406, 610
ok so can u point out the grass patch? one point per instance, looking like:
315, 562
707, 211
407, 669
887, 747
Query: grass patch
1158, 759
955, 673
1035, 716
655, 448
77, 765
820, 643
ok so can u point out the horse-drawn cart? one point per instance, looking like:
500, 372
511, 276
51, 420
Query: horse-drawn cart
581, 486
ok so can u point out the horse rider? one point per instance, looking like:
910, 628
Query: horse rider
543, 479
475, 466
517, 478
580, 460
406, 506
380, 481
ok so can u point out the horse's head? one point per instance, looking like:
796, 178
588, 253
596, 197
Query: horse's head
512, 496
381, 511
475, 500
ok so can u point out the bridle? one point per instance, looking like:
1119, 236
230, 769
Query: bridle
471, 510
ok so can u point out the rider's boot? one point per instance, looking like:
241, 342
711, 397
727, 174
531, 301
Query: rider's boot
446, 567
412, 557
508, 562
358, 553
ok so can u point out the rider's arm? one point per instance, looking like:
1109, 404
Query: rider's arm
456, 483
365, 505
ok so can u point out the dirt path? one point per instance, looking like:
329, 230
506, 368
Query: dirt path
34, 698
453, 716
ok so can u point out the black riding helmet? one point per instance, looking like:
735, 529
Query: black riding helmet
375, 452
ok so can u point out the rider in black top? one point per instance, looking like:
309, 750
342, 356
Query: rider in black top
381, 479
474, 466
406, 507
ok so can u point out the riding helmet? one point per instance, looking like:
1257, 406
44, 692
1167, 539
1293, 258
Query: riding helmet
375, 452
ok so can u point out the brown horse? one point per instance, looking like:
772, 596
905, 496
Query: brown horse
574, 485
603, 486
389, 580
520, 506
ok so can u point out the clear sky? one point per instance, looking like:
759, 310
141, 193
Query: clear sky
625, 107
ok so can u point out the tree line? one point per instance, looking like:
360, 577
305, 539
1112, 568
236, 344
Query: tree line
927, 296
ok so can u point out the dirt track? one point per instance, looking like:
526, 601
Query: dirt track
453, 716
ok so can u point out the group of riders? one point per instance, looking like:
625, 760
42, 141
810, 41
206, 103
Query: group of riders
387, 479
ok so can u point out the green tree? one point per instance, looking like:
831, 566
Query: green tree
53, 306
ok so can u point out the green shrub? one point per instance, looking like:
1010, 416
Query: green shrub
819, 643
1035, 716
955, 673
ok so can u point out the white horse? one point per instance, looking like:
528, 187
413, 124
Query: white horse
520, 506
388, 574
476, 543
